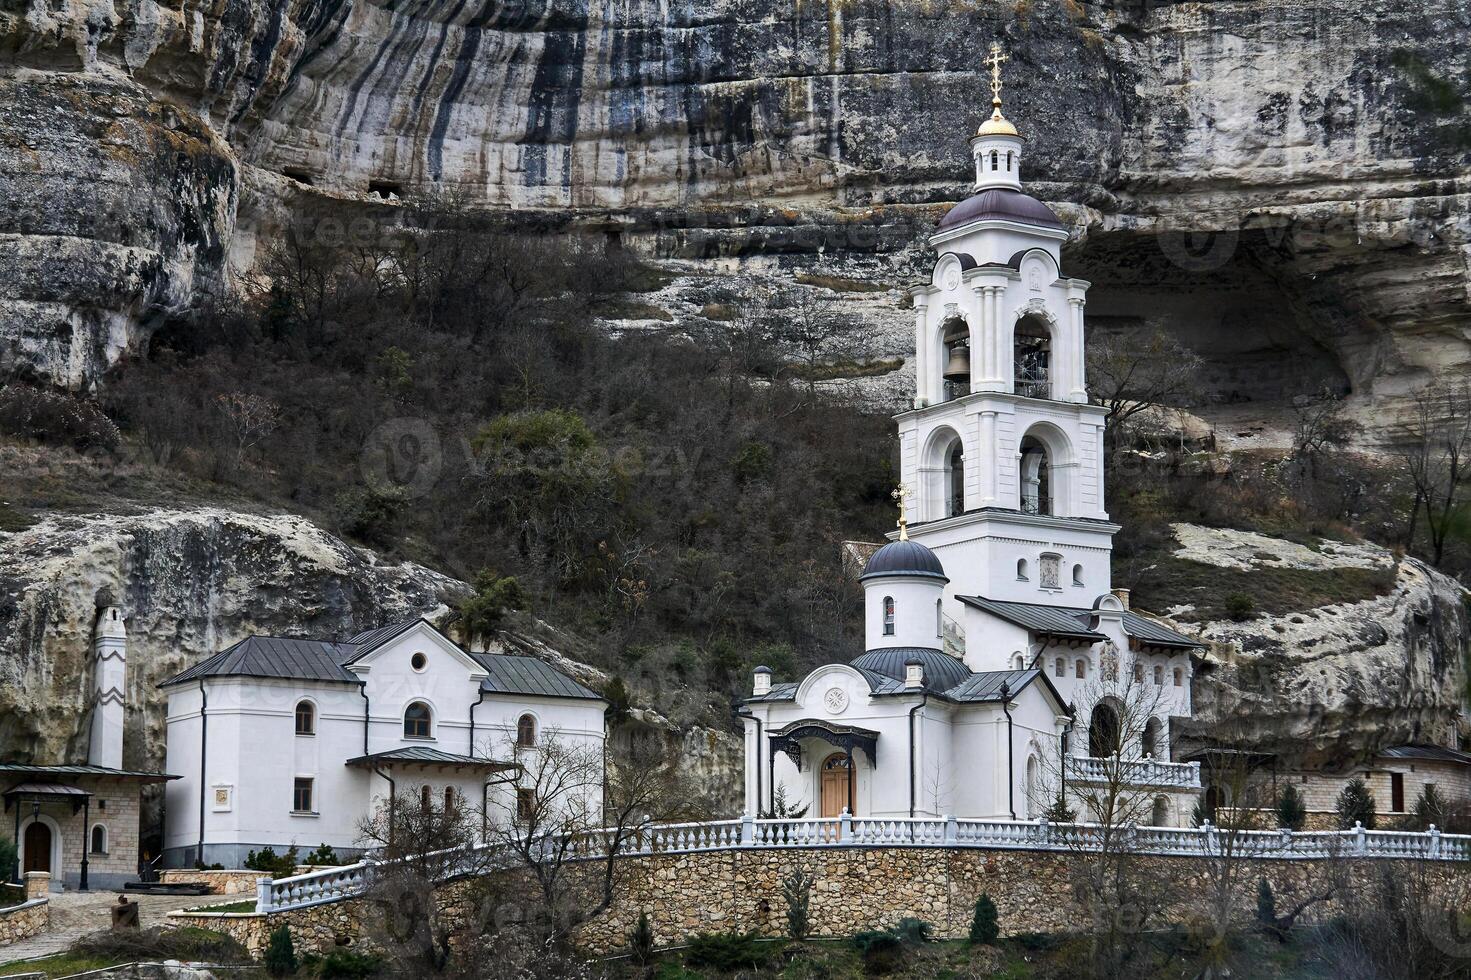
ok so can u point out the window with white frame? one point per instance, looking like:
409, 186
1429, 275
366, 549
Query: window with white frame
302, 795
888, 615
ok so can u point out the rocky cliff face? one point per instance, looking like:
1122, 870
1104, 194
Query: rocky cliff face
1335, 682
1284, 184
191, 583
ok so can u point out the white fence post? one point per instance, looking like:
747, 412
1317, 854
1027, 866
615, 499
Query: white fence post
845, 826
952, 829
263, 894
1434, 841
748, 830
1361, 838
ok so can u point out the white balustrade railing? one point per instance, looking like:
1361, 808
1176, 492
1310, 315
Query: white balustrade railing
333, 884
1133, 772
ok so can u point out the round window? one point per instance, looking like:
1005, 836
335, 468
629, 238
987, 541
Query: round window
419, 661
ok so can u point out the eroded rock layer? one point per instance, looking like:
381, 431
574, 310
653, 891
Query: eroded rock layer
1320, 150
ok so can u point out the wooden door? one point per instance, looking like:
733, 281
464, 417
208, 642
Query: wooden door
835, 775
38, 847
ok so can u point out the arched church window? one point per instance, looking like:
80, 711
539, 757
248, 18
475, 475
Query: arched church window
1036, 474
416, 720
306, 718
1017, 662
1021, 569
1149, 743
99, 839
1059, 668
995, 160
1179, 677
525, 731
1161, 815
939, 618
1104, 732
1078, 575
1032, 354
1081, 668
449, 799
424, 798
1138, 673
1009, 155
1159, 676
888, 615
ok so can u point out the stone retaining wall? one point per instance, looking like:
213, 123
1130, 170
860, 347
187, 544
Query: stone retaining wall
219, 882
855, 889
24, 921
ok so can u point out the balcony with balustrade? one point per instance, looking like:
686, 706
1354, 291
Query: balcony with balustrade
1146, 772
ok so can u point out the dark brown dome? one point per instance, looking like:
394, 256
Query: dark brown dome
1001, 204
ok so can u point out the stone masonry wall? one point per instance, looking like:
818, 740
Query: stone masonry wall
219, 882
24, 921
855, 889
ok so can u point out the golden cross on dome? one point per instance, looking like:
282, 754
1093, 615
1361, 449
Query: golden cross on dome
901, 494
994, 62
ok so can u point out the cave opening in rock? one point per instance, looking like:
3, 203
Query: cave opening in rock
1262, 330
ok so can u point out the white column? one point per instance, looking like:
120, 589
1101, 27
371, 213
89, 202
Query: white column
988, 459
1004, 370
1080, 371
921, 349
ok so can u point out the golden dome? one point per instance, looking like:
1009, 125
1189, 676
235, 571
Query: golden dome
997, 125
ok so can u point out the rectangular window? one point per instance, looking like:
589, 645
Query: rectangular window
301, 796
1397, 792
525, 805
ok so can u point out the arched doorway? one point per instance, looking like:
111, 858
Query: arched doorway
37, 842
1161, 815
1150, 742
1032, 358
1103, 731
836, 784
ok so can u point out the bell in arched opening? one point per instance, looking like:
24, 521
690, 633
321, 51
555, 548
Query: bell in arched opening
957, 359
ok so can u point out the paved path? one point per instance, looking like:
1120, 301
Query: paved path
74, 914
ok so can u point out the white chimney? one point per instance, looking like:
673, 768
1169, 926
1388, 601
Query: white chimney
109, 686
761, 684
913, 675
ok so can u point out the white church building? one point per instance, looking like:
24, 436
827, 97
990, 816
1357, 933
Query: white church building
280, 742
1000, 668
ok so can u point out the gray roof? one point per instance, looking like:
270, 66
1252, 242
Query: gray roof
27, 769
276, 656
1432, 753
945, 678
327, 660
427, 756
511, 674
941, 671
1077, 624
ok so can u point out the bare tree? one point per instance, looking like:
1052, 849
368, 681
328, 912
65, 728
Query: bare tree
249, 419
810, 333
420, 842
1436, 447
566, 830
1121, 891
1130, 374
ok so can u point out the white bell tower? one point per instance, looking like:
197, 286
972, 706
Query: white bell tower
1002, 454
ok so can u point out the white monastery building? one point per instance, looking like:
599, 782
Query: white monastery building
282, 742
1000, 668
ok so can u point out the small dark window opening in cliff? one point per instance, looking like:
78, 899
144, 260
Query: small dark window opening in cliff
386, 189
298, 174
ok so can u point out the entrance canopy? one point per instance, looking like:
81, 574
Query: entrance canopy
49, 791
789, 737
